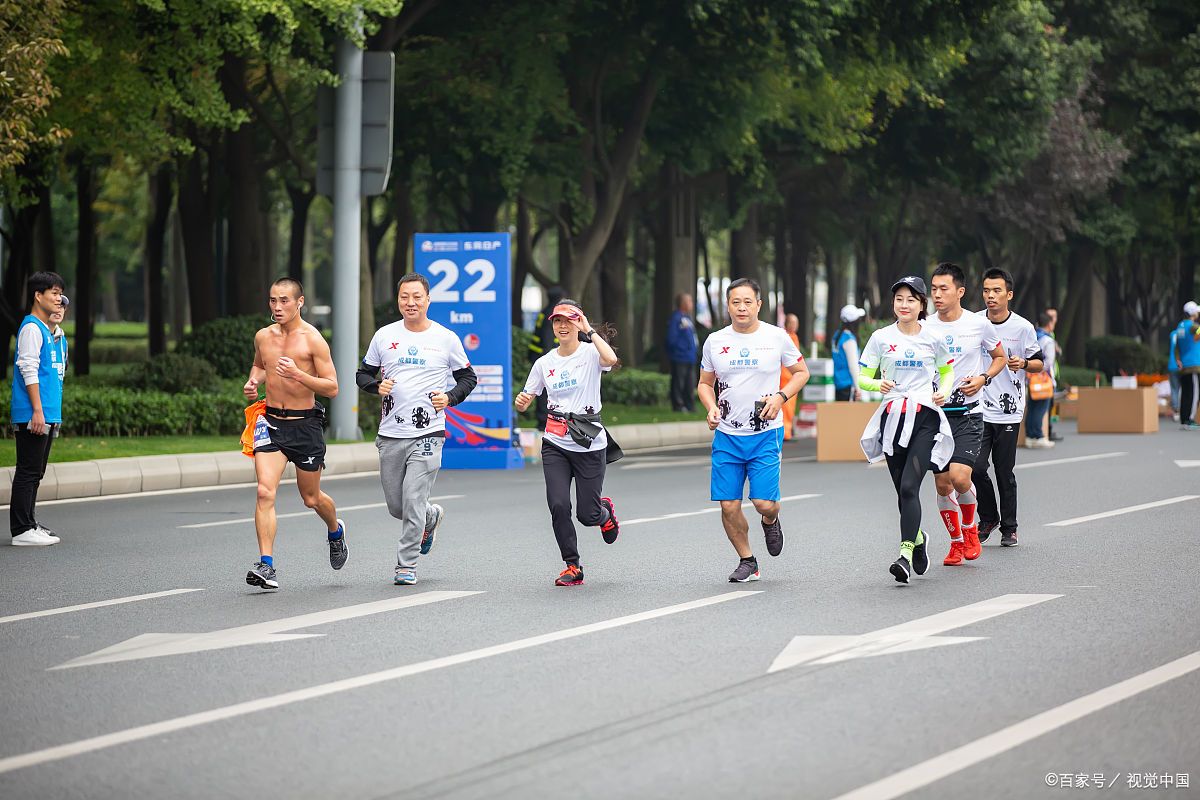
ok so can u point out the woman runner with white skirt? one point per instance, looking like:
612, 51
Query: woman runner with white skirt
575, 446
909, 428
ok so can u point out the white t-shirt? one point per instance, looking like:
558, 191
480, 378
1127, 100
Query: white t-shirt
572, 385
910, 362
1004, 398
970, 339
420, 364
747, 369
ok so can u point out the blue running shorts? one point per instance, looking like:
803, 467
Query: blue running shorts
734, 458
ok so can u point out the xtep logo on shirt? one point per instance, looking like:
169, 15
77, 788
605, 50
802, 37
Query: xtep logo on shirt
411, 358
395, 346
551, 373
891, 348
744, 359
724, 350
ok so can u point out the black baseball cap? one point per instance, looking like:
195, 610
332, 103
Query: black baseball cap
912, 282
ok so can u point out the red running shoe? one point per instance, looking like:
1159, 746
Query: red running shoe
609, 530
955, 556
971, 544
571, 576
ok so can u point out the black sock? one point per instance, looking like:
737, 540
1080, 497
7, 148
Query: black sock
750, 560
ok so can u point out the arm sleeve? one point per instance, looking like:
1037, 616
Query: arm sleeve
867, 380
367, 377
534, 383
464, 383
945, 375
29, 353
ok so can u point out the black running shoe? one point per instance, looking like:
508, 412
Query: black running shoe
747, 570
920, 560
612, 526
900, 569
986, 528
773, 533
1008, 539
338, 552
262, 576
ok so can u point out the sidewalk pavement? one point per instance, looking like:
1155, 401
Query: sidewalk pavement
108, 476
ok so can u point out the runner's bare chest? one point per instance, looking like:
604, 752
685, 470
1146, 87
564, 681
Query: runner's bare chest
287, 392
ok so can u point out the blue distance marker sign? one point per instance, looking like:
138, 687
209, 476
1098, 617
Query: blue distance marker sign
469, 293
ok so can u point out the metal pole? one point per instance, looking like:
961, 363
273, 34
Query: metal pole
347, 221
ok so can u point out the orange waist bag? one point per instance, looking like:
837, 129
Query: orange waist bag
252, 414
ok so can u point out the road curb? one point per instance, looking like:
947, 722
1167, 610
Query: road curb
74, 479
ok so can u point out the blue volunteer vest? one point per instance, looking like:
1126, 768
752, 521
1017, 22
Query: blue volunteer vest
52, 365
842, 376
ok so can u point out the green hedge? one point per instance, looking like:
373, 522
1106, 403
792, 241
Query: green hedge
100, 411
1079, 376
171, 373
1114, 355
227, 343
636, 387
118, 351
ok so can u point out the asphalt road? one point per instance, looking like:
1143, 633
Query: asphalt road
1075, 655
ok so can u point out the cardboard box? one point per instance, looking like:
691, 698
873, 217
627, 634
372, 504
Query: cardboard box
839, 430
1106, 410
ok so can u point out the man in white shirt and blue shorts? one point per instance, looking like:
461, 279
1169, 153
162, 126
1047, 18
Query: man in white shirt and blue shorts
739, 386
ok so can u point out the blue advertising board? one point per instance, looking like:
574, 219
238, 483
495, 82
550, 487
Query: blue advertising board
469, 293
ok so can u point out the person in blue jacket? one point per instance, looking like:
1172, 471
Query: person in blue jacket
682, 344
1187, 349
845, 354
39, 365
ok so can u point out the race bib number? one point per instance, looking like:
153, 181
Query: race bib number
556, 427
262, 432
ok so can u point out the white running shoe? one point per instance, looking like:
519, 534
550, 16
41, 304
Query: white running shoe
49, 533
34, 537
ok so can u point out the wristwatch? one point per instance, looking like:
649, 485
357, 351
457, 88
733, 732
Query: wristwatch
987, 379
784, 396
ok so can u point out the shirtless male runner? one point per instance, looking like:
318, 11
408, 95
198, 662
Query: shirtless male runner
293, 359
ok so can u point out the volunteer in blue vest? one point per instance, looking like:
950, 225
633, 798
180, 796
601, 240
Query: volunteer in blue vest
739, 387
40, 364
1187, 349
682, 345
845, 354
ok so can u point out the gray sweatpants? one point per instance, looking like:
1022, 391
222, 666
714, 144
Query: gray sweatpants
407, 468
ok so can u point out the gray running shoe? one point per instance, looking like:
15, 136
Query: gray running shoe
262, 576
431, 528
747, 570
405, 577
773, 533
338, 551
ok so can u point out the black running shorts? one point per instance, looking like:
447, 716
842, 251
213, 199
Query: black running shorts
301, 440
968, 439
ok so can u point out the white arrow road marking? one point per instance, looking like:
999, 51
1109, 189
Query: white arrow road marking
918, 634
98, 604
1186, 464
346, 684
306, 513
968, 755
711, 510
1119, 511
153, 645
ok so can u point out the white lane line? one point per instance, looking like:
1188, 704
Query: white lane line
968, 755
346, 684
712, 510
696, 461
98, 604
1116, 512
304, 513
190, 490
1073, 460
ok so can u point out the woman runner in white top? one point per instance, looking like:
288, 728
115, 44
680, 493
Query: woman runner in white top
909, 428
575, 446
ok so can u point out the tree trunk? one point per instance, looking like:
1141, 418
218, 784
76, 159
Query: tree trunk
156, 236
523, 259
1072, 319
16, 273
836, 270
177, 281
614, 275
85, 249
798, 266
406, 226
247, 280
196, 227
45, 255
301, 198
